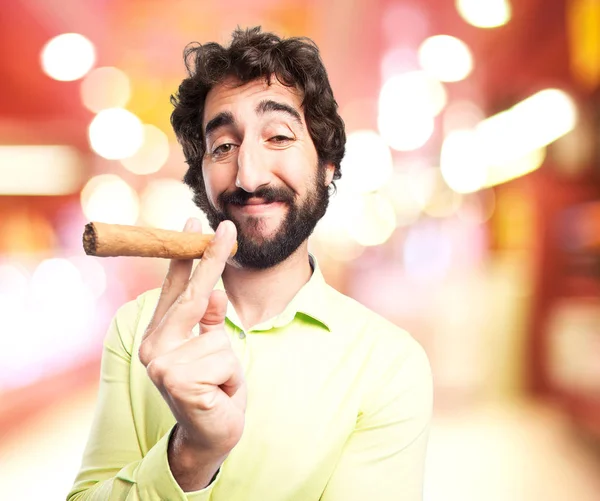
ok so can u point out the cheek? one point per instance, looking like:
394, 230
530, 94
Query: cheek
297, 170
216, 181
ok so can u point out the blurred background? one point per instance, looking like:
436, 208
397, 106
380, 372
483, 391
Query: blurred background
468, 213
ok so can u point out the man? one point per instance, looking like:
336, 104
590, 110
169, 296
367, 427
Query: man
250, 379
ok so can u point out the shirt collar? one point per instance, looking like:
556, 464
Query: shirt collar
310, 300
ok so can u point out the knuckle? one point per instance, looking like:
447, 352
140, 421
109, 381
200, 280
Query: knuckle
189, 297
172, 382
206, 401
145, 354
156, 370
173, 283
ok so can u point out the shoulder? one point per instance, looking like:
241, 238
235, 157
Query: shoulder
351, 316
388, 349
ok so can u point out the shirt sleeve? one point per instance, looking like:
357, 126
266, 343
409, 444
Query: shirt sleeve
113, 467
384, 457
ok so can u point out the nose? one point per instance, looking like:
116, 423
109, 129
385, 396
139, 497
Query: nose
253, 170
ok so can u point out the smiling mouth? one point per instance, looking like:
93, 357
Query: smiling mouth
256, 201
258, 206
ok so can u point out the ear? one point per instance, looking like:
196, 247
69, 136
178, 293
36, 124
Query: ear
329, 172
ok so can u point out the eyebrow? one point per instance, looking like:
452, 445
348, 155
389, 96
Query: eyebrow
269, 105
225, 118
222, 119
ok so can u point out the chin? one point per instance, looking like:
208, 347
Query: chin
259, 228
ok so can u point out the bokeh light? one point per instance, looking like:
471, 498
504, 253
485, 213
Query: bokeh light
478, 207
507, 145
367, 164
337, 245
400, 191
574, 153
517, 136
485, 13
331, 232
506, 169
92, 273
432, 193
372, 219
62, 311
116, 133
104, 88
107, 198
413, 92
407, 105
13, 286
445, 57
462, 162
51, 273
423, 179
40, 169
152, 154
405, 132
167, 204
68, 57
461, 115
544, 117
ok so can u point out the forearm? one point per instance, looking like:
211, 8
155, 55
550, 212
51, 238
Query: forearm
192, 469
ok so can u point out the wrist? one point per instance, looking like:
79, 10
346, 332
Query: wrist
193, 468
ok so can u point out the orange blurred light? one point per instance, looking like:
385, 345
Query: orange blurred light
104, 88
109, 199
152, 154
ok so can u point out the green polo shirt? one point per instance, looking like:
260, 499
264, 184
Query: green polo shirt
339, 403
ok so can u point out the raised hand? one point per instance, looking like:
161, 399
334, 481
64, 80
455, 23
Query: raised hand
200, 377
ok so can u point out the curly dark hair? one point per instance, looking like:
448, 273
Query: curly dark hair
252, 54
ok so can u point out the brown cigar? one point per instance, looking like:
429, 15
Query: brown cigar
106, 240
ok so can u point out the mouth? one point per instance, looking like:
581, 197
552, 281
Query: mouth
258, 206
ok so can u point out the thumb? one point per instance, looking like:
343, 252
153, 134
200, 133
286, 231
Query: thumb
214, 316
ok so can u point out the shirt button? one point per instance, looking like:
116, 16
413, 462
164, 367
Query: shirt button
242, 335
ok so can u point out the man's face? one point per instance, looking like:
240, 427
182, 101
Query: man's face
261, 169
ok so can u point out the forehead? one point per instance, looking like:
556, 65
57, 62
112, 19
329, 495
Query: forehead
240, 99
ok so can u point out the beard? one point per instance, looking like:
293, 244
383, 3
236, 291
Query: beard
258, 252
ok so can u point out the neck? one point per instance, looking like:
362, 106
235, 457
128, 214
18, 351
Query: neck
258, 295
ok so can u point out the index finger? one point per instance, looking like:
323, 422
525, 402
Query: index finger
189, 309
175, 281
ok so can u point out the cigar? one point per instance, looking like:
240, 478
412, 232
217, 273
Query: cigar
110, 240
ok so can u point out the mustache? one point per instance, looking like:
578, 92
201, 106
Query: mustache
269, 194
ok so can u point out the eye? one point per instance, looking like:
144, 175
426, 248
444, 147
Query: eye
280, 139
223, 149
